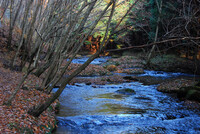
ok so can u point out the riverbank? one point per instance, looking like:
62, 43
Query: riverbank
131, 68
118, 103
173, 63
14, 118
115, 70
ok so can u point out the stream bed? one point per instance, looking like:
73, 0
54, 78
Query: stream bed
106, 109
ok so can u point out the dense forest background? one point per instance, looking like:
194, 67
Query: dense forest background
44, 33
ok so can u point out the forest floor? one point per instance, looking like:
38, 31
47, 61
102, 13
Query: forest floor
14, 118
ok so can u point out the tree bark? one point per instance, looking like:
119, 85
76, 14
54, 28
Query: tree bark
23, 32
10, 26
36, 111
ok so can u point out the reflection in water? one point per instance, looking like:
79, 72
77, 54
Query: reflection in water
109, 96
103, 110
119, 109
85, 110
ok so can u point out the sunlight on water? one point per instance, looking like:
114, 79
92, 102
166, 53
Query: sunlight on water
104, 109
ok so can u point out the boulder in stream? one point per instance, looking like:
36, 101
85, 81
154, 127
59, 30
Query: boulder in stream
134, 71
126, 91
111, 68
190, 93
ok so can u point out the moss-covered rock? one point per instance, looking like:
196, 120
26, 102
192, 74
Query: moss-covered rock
111, 68
173, 63
126, 91
190, 93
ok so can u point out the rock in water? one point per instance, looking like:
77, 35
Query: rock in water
126, 91
190, 93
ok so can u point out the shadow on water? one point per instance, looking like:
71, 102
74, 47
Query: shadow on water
85, 109
102, 109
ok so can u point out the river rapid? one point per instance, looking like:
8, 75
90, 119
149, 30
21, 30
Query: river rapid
104, 109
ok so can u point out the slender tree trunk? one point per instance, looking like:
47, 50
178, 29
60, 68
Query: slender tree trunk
36, 111
156, 33
10, 26
4, 8
43, 68
13, 20
25, 17
50, 72
9, 101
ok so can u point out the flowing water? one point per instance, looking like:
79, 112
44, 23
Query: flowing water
102, 109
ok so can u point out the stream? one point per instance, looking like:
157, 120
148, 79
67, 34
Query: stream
105, 109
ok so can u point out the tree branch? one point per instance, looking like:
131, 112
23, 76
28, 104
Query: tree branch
155, 43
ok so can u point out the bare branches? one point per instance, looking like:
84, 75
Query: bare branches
157, 43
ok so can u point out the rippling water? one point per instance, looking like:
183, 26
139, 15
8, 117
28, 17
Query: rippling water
101, 109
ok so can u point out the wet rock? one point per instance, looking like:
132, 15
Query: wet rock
130, 78
150, 80
134, 71
111, 68
88, 83
125, 62
192, 105
174, 85
78, 56
143, 98
78, 85
126, 91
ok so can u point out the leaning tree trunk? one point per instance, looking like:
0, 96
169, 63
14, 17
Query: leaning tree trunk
36, 111
10, 99
4, 7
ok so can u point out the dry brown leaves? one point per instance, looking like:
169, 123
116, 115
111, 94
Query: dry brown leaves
14, 118
175, 85
91, 70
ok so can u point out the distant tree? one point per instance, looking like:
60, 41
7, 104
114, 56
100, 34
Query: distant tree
168, 20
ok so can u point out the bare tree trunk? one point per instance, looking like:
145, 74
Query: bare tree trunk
9, 101
42, 69
159, 6
50, 71
36, 111
10, 26
4, 8
25, 17
13, 19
